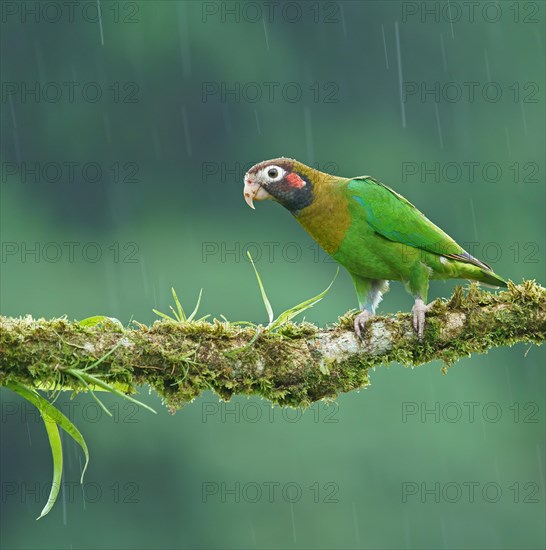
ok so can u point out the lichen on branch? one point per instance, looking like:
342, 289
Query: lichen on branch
294, 365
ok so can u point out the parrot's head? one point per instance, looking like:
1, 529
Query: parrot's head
284, 180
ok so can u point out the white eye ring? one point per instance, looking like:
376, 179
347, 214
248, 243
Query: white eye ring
273, 173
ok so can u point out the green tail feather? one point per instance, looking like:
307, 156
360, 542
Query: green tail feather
490, 278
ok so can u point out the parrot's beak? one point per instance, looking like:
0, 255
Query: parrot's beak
254, 191
249, 197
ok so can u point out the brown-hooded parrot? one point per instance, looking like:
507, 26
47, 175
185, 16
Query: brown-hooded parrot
371, 230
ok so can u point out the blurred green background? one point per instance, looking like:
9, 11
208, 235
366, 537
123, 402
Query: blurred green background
192, 94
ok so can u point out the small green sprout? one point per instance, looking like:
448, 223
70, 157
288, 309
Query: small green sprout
179, 314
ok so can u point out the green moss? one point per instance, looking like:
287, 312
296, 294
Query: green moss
181, 360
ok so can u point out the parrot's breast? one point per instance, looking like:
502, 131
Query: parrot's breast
327, 218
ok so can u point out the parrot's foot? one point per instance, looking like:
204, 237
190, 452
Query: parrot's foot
360, 322
419, 310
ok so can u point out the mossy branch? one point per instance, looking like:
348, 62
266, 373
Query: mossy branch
294, 365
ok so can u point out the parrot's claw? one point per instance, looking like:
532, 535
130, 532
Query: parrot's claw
419, 310
360, 322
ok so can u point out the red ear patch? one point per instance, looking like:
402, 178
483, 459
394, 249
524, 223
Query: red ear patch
294, 180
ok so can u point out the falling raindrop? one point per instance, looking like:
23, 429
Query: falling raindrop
227, 119
400, 77
99, 10
144, 273
16, 145
432, 387
265, 33
293, 521
112, 294
253, 533
496, 468
309, 135
29, 437
540, 467
508, 141
385, 46
184, 33
63, 493
355, 522
107, 127
482, 425
443, 49
343, 24
450, 18
155, 296
509, 382
39, 61
439, 125
407, 531
538, 37
257, 122
473, 213
487, 68
444, 535
524, 117
186, 131
157, 144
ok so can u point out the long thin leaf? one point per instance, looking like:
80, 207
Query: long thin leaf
168, 317
57, 454
79, 375
46, 411
289, 314
194, 312
101, 359
90, 379
46, 408
181, 315
236, 351
265, 299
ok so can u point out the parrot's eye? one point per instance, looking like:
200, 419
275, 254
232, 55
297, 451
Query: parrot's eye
271, 174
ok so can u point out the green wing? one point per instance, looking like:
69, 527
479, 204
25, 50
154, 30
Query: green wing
396, 219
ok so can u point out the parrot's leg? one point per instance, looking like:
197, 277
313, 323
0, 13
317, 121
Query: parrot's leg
369, 293
418, 286
419, 310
